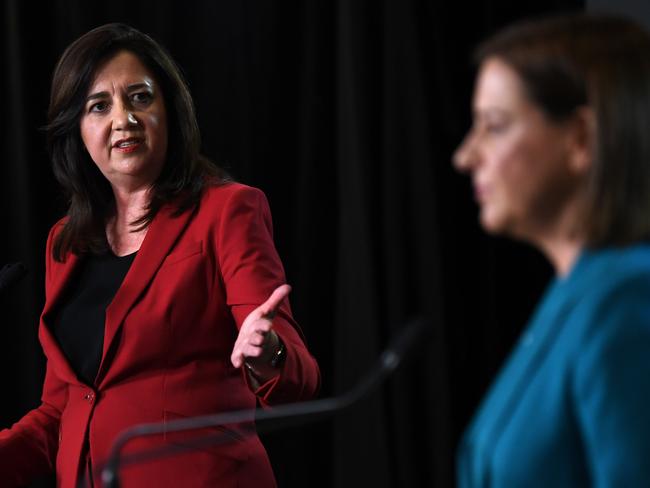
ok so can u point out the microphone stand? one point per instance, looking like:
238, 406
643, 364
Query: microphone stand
281, 416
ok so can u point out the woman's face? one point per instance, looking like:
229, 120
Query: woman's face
124, 123
518, 159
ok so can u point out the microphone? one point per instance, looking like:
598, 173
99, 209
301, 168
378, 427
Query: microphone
11, 274
277, 417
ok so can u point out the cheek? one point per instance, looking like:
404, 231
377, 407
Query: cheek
93, 137
154, 123
84, 131
158, 137
158, 127
515, 167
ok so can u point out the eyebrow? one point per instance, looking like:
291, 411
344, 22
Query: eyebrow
134, 86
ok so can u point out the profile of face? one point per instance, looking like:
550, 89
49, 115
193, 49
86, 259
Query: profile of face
525, 168
124, 122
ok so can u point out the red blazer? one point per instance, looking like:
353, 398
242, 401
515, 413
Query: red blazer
169, 333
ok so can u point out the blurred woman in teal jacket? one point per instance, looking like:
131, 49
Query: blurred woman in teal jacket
559, 155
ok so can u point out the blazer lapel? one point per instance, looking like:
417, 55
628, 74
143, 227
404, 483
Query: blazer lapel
61, 277
161, 236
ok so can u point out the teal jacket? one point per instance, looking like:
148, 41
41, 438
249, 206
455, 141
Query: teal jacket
571, 406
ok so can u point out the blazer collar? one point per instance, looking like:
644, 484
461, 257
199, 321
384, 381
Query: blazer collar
61, 274
162, 234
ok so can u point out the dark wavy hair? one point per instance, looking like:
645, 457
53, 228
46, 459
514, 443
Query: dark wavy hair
185, 172
602, 62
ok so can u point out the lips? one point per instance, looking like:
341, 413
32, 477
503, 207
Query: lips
480, 192
128, 144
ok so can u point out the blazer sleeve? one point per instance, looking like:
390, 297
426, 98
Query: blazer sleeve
612, 385
251, 269
28, 449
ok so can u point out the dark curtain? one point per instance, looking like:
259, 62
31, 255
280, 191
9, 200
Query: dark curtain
346, 114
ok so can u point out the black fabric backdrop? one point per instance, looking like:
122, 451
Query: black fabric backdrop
346, 114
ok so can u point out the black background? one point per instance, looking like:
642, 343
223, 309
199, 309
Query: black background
346, 114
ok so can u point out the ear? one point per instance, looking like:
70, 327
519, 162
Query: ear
582, 140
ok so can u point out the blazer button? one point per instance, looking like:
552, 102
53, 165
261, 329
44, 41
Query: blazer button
89, 397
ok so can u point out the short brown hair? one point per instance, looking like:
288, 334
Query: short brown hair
603, 62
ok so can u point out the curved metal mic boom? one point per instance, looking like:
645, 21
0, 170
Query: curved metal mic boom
282, 415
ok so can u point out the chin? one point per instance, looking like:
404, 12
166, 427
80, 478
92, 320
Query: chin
491, 223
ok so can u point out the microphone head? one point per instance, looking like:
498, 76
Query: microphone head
11, 274
407, 338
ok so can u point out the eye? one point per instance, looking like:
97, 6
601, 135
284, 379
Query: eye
496, 127
142, 98
98, 107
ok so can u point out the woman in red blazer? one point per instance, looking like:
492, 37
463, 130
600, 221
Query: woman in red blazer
165, 296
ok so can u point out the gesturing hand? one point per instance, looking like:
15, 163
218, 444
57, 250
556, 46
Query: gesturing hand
257, 342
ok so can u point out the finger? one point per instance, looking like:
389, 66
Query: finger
250, 351
258, 339
254, 323
269, 307
237, 358
249, 345
262, 326
238, 355
253, 334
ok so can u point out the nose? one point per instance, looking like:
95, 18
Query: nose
124, 118
465, 157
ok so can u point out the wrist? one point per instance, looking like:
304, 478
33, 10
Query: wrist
277, 359
267, 365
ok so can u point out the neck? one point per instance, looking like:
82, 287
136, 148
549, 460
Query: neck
558, 234
560, 241
562, 253
130, 205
